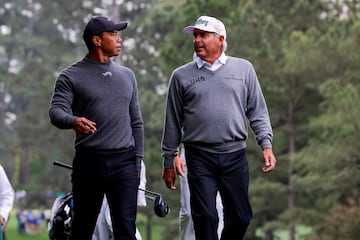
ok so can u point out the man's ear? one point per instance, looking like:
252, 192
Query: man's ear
96, 41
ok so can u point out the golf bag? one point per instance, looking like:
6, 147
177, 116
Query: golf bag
59, 224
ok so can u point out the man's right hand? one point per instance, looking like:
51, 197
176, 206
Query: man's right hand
2, 221
169, 177
83, 125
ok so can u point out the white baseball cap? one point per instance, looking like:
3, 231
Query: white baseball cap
208, 24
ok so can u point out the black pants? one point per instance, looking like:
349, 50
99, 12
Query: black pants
228, 173
115, 175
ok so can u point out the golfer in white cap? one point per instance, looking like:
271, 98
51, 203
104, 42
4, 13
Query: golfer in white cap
211, 103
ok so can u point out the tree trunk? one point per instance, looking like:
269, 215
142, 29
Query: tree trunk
292, 149
148, 227
115, 16
2, 105
269, 235
24, 167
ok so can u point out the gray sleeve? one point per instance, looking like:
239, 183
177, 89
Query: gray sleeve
257, 112
60, 104
137, 125
172, 123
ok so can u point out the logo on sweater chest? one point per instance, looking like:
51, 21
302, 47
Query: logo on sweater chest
107, 74
197, 80
233, 77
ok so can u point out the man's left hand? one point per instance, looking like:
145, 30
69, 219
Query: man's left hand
169, 176
269, 160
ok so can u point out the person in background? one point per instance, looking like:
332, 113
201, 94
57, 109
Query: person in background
210, 103
21, 220
7, 195
98, 98
103, 228
186, 226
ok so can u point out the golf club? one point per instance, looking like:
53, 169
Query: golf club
161, 208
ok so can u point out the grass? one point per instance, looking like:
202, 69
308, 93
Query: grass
13, 234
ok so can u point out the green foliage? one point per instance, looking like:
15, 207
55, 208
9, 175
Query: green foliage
340, 223
306, 54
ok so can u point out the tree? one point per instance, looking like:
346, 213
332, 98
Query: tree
288, 54
308, 70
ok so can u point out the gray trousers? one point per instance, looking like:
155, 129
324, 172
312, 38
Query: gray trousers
103, 229
186, 227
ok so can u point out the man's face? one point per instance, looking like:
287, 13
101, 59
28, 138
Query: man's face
207, 45
110, 43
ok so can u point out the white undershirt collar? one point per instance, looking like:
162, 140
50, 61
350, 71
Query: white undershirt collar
212, 67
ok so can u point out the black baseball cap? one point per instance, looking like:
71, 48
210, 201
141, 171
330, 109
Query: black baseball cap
100, 24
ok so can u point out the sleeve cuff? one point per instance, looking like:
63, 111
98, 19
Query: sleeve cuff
266, 143
168, 162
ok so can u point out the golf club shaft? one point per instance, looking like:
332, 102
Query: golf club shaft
64, 165
61, 164
150, 192
150, 197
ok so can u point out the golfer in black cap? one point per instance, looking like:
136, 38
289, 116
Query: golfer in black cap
99, 100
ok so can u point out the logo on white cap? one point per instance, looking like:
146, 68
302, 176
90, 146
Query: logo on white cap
209, 24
